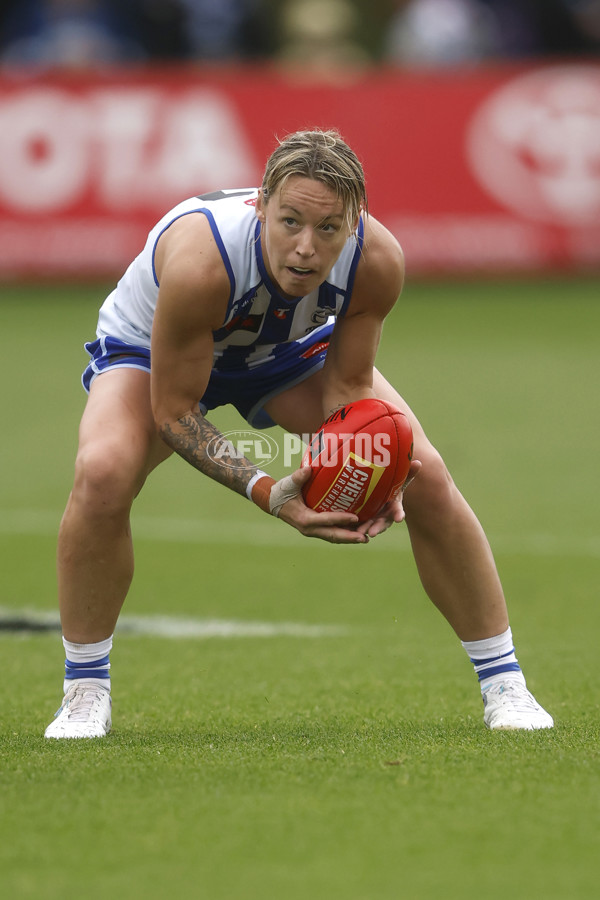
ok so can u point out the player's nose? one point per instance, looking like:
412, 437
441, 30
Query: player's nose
304, 244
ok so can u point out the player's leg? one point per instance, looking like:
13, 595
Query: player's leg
457, 569
299, 409
118, 447
451, 551
453, 557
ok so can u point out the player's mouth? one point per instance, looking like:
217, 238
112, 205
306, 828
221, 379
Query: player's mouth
300, 272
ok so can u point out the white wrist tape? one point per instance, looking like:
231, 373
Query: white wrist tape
281, 492
258, 474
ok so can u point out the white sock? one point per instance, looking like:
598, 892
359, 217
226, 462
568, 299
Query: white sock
87, 662
494, 659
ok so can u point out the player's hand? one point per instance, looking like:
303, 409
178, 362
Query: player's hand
393, 511
334, 527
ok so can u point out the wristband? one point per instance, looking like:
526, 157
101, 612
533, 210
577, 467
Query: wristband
270, 495
257, 475
259, 490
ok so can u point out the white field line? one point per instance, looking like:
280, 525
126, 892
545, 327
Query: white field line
175, 626
261, 533
271, 534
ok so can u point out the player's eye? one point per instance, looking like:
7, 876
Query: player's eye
289, 220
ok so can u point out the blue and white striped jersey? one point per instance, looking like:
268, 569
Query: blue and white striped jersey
258, 318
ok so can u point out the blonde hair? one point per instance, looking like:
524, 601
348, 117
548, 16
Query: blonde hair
323, 156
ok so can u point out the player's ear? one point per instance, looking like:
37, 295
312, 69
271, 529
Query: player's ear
361, 211
260, 206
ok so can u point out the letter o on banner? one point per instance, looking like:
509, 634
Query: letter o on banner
44, 150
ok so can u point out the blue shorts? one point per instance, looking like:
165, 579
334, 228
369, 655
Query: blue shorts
246, 389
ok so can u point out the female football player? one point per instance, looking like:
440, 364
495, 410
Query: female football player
272, 300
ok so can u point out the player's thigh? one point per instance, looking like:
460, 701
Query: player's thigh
385, 391
117, 434
433, 487
299, 409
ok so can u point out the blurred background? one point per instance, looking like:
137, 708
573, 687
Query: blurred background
478, 122
401, 32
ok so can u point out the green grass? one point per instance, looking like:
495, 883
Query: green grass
353, 766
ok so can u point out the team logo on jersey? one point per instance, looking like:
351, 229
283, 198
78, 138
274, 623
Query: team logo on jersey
321, 314
280, 313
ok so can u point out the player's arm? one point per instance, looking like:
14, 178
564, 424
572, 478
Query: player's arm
192, 303
348, 369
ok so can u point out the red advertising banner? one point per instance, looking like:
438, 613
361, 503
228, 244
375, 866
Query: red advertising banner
480, 170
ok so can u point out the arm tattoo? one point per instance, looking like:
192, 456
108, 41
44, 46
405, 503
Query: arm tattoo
190, 438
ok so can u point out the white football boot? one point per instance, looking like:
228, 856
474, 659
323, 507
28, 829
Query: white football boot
85, 712
509, 705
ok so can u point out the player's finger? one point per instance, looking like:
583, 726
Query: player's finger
338, 536
335, 519
302, 475
378, 526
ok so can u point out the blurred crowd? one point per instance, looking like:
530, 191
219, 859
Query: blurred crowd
312, 33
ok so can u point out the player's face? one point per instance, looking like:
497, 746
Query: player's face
304, 231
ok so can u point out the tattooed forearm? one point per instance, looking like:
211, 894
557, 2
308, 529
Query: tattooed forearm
191, 436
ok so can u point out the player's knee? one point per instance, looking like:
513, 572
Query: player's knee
107, 478
432, 494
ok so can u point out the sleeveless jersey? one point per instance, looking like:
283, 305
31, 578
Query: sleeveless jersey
258, 319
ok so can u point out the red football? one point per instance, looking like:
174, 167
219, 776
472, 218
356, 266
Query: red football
360, 458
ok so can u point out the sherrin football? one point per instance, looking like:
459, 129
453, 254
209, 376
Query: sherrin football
359, 458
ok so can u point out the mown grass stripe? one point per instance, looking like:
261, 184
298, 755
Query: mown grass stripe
23, 621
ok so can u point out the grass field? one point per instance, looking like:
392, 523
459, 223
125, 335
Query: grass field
350, 760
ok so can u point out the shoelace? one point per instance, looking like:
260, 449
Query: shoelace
82, 703
517, 695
